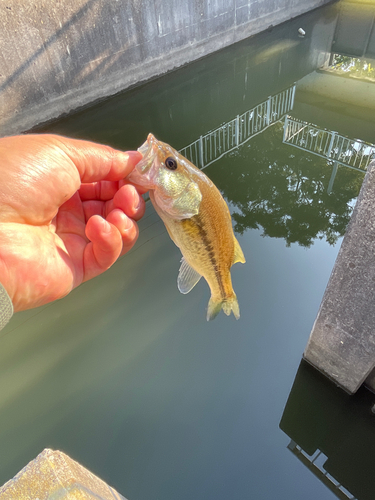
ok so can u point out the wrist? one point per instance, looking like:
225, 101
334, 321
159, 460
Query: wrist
6, 307
4, 278
8, 266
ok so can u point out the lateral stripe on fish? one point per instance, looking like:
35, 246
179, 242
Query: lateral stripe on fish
210, 251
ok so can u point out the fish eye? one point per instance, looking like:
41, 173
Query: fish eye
171, 163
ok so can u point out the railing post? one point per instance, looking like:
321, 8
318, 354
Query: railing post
269, 110
333, 135
286, 128
237, 131
201, 151
293, 94
333, 176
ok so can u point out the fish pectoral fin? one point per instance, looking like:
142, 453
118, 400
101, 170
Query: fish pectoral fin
187, 277
238, 253
183, 205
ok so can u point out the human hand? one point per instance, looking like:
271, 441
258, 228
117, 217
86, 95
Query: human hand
66, 214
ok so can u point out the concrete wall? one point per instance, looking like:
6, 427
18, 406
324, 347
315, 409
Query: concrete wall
59, 55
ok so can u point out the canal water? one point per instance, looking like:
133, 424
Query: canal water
126, 376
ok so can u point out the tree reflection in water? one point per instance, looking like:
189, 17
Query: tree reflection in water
285, 194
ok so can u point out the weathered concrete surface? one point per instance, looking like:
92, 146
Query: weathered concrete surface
370, 381
57, 56
342, 341
52, 474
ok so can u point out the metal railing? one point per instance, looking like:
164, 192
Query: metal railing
224, 139
334, 147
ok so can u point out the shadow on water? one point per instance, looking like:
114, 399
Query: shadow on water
332, 433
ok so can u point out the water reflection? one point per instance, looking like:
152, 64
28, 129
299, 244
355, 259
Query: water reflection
354, 33
300, 204
233, 134
357, 67
332, 433
285, 194
336, 148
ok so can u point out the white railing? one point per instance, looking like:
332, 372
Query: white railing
221, 141
334, 147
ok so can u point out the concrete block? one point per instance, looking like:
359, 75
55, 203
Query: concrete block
52, 474
370, 382
342, 341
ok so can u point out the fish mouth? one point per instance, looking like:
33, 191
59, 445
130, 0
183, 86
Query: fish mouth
148, 151
141, 173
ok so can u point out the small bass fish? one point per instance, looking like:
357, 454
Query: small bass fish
197, 219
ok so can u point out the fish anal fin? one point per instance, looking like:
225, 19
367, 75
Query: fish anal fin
238, 253
187, 277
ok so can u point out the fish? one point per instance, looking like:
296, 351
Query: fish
197, 219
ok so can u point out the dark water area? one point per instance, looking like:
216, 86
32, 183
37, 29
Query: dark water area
126, 376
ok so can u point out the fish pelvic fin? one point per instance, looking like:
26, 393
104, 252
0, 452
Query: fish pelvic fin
228, 305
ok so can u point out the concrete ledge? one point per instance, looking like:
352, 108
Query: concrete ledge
342, 341
52, 474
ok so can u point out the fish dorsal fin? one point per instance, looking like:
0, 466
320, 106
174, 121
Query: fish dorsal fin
238, 253
187, 277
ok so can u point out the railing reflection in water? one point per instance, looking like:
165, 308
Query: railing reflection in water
229, 136
351, 153
336, 148
315, 464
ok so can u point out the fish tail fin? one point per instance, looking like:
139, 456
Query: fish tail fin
228, 305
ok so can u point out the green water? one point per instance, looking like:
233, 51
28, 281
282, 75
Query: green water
126, 376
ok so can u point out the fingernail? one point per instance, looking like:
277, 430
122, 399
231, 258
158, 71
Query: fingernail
106, 226
136, 199
134, 156
128, 224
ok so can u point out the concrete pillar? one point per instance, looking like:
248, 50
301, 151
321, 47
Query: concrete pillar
342, 341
